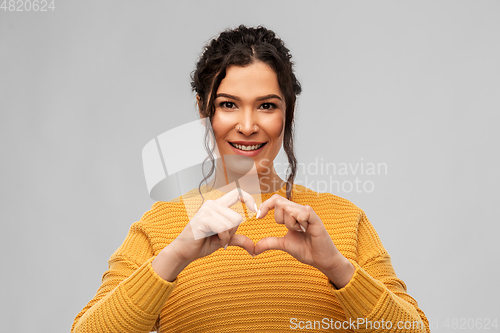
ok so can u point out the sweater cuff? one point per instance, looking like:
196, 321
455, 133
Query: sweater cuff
360, 296
147, 289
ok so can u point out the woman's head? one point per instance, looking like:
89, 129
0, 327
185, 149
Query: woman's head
242, 47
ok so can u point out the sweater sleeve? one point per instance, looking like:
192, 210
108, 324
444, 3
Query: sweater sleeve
131, 295
375, 298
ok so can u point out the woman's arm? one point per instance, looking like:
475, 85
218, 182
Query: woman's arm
131, 295
375, 295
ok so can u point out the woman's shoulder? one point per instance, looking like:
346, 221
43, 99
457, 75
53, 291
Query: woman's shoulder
161, 224
159, 210
162, 215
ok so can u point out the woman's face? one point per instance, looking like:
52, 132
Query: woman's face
249, 114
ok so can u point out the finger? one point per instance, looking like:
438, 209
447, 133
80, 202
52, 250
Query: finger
307, 216
285, 212
279, 213
232, 231
224, 238
211, 223
302, 220
291, 223
232, 197
270, 243
214, 239
243, 242
215, 209
270, 204
235, 218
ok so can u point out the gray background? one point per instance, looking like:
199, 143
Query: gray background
412, 84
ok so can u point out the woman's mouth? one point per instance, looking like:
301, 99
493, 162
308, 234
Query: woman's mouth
248, 150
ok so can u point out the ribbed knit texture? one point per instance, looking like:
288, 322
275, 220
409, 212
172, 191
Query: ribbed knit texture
229, 291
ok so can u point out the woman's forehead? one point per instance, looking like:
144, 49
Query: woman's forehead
254, 80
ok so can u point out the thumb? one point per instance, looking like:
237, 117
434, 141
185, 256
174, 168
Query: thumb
270, 243
243, 242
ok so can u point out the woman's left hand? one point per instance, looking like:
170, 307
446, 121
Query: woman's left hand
306, 240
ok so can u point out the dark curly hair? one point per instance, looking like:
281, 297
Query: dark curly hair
240, 47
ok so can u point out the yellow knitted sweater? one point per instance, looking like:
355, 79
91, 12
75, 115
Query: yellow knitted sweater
230, 291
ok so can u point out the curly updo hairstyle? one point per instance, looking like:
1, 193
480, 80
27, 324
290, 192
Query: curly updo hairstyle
240, 47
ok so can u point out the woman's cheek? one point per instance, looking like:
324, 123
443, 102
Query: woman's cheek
277, 125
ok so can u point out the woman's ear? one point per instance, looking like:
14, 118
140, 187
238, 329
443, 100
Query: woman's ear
198, 104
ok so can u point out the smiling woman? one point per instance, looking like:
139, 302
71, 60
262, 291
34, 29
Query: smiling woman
315, 263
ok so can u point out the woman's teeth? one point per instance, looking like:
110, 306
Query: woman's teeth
241, 147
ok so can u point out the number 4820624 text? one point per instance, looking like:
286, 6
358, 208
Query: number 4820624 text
28, 5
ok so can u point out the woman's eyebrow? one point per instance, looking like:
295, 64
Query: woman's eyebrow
268, 97
239, 99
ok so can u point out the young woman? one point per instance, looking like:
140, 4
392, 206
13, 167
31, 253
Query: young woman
305, 260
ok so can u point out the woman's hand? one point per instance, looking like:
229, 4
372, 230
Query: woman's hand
306, 240
213, 227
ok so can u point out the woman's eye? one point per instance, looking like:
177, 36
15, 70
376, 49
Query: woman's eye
227, 105
268, 106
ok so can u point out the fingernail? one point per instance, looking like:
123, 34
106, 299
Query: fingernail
258, 214
225, 246
255, 205
303, 229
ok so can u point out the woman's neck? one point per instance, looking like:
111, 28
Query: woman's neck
251, 183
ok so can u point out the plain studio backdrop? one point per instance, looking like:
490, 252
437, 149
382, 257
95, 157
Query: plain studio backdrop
409, 87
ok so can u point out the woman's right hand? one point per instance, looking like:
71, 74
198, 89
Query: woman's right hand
213, 227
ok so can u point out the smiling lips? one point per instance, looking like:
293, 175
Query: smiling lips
247, 148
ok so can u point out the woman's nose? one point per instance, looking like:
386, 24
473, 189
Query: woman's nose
247, 123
